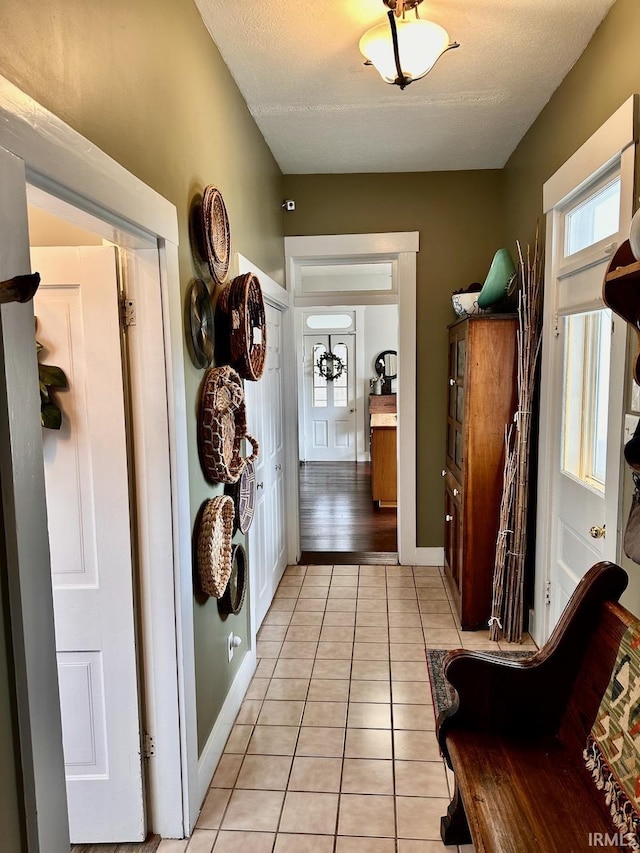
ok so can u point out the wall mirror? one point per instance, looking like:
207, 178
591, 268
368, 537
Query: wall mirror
387, 364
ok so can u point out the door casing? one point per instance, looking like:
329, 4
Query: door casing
103, 196
613, 142
401, 248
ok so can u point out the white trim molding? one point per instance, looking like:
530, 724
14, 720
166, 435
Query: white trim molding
429, 557
597, 154
214, 747
401, 247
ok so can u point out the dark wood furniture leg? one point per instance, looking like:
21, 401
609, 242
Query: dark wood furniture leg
454, 828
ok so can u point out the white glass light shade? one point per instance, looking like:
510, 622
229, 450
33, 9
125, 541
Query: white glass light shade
420, 43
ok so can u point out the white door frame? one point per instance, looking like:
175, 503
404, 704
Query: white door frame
59, 161
613, 142
401, 247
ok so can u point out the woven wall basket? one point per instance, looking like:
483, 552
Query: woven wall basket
222, 425
214, 545
216, 232
241, 327
234, 594
243, 494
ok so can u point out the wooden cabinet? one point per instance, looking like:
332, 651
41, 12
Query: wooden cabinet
384, 468
481, 403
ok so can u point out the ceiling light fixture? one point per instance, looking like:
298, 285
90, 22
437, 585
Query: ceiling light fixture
407, 50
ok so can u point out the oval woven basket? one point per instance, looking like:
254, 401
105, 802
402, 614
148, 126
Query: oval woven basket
214, 545
243, 494
241, 327
217, 234
234, 594
222, 426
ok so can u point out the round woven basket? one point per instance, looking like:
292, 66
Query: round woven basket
217, 235
222, 426
241, 327
243, 494
214, 545
234, 595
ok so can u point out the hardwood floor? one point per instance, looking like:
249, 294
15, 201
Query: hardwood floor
338, 519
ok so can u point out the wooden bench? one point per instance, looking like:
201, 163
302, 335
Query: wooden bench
516, 733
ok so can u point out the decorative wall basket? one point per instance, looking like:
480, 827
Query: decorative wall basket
243, 494
214, 545
241, 328
234, 594
222, 425
217, 235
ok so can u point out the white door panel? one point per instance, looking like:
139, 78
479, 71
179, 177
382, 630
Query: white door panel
87, 484
329, 406
265, 413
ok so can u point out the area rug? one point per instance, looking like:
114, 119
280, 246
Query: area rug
441, 691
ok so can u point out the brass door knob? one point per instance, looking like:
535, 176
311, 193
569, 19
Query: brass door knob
598, 532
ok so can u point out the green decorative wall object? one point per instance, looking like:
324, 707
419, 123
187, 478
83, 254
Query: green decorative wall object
499, 279
50, 377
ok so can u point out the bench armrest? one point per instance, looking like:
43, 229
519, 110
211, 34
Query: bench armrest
529, 696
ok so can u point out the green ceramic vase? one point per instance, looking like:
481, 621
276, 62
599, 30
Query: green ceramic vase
497, 282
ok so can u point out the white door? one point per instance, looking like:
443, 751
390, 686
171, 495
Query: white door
265, 415
329, 404
588, 380
87, 486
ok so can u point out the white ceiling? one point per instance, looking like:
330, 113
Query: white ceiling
321, 110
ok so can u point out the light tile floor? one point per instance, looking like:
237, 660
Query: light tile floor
334, 749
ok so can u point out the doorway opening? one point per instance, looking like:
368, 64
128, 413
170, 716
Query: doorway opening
327, 288
92, 510
348, 427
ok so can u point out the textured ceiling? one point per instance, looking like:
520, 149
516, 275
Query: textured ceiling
322, 111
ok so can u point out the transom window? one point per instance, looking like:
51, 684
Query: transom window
329, 322
593, 219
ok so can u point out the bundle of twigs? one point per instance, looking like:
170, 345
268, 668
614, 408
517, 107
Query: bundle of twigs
507, 611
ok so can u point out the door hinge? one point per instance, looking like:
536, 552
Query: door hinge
556, 325
547, 592
127, 312
148, 746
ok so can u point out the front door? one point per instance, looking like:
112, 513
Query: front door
588, 351
87, 487
329, 403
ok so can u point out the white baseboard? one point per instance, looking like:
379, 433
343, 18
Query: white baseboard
214, 746
429, 557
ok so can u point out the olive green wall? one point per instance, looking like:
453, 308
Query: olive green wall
607, 73
144, 81
459, 217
